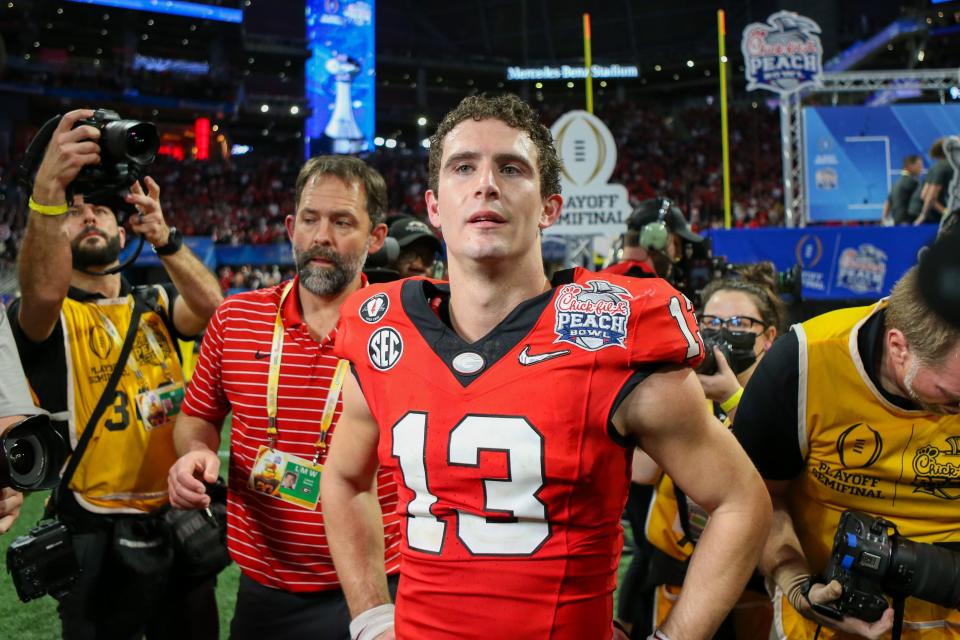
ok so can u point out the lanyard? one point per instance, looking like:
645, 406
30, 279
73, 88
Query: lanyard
132, 363
273, 385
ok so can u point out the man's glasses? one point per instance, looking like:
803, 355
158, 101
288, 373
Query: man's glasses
733, 323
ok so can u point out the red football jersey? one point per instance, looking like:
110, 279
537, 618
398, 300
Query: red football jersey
511, 483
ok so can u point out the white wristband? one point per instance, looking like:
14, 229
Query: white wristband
658, 635
372, 622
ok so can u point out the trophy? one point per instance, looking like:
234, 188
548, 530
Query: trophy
342, 128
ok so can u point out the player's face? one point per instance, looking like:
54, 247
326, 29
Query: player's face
936, 388
488, 201
331, 234
95, 237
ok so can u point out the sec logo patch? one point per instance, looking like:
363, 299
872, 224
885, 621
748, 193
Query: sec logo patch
385, 348
374, 308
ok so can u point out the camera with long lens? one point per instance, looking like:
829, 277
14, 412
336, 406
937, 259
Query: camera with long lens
127, 147
43, 561
736, 347
31, 454
871, 563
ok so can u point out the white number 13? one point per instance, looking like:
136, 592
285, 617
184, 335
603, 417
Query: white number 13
523, 527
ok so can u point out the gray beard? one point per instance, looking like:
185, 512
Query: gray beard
328, 282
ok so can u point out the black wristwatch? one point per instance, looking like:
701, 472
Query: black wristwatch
174, 242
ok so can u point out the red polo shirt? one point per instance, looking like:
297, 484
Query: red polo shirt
275, 543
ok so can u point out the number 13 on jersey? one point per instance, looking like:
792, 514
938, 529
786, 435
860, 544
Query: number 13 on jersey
522, 527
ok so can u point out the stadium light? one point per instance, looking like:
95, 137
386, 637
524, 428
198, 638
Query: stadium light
539, 85
425, 143
569, 85
264, 108
294, 110
921, 55
422, 120
657, 67
390, 143
603, 83
378, 141
690, 63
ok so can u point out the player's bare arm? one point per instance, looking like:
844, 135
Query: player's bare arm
707, 463
348, 493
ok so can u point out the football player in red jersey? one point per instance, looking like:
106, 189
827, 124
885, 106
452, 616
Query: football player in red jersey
507, 407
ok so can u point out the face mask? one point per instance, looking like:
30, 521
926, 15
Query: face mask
736, 346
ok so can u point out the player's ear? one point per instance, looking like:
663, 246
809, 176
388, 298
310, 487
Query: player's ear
552, 205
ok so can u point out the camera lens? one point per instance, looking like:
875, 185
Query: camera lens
141, 143
22, 457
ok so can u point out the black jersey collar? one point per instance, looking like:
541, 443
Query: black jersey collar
416, 297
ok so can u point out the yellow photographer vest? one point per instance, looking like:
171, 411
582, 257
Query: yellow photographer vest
864, 453
124, 468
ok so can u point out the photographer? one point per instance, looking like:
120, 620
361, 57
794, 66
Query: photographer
15, 403
71, 325
653, 241
846, 412
742, 316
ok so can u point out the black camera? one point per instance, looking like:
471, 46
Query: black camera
127, 147
31, 454
869, 562
43, 561
736, 347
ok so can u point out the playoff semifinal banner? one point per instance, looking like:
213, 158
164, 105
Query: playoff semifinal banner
838, 262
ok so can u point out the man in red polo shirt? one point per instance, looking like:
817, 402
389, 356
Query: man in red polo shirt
268, 357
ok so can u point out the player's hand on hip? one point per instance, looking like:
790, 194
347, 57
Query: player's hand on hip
10, 502
186, 478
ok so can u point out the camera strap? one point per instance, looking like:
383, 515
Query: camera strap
106, 397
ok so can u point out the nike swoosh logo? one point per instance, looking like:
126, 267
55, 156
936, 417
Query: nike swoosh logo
526, 359
260, 356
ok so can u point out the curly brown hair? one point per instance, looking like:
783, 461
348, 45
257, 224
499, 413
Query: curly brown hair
513, 112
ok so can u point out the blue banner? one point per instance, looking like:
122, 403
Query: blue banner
853, 155
838, 262
255, 254
202, 247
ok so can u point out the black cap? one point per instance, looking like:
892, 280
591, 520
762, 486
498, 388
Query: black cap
408, 230
650, 211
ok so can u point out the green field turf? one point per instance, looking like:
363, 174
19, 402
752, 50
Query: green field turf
38, 620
